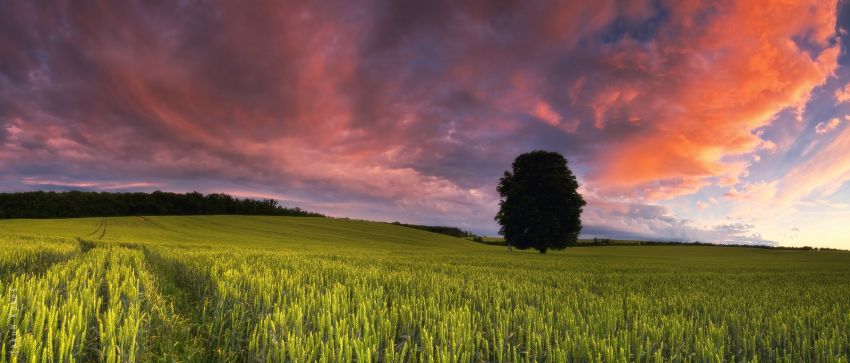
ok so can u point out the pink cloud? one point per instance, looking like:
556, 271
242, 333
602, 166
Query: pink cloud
827, 126
96, 185
407, 110
821, 175
543, 111
842, 95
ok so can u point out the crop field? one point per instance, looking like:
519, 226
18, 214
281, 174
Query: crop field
297, 289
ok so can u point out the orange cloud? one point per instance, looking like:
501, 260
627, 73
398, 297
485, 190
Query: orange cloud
705, 87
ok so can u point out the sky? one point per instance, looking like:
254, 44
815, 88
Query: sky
716, 121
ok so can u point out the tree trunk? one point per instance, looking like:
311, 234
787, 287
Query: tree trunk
543, 250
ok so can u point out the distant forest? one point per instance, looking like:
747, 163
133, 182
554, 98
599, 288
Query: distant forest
101, 204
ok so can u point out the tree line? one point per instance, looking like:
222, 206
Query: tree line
73, 204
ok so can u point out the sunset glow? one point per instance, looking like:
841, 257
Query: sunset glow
716, 121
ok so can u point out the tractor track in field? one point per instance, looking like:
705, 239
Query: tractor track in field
155, 224
175, 335
103, 232
100, 225
185, 304
101, 228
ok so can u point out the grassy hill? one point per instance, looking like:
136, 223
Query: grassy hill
240, 231
228, 288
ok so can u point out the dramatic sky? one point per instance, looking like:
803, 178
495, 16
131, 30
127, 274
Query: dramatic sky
723, 121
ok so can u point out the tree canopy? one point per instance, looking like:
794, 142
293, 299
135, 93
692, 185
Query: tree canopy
540, 205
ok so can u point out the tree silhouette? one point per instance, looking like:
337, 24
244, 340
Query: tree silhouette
540, 206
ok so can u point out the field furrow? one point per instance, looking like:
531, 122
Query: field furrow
175, 330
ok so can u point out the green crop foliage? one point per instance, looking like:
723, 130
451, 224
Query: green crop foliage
291, 289
23, 254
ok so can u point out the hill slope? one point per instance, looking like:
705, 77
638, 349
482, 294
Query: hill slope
344, 236
241, 231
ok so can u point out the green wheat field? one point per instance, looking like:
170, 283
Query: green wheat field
296, 289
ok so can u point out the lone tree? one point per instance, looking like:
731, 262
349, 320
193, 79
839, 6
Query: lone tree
540, 206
